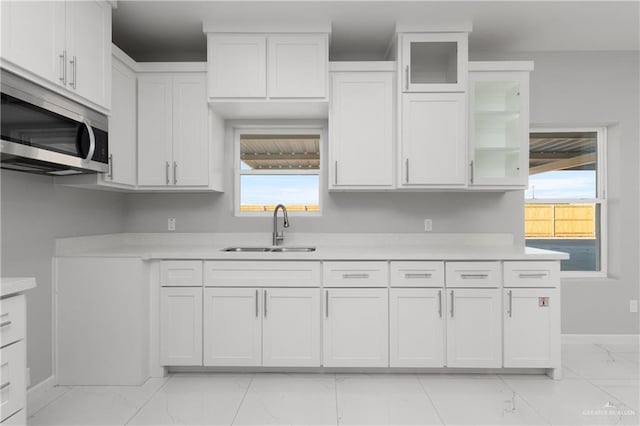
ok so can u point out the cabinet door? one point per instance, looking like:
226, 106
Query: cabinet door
33, 37
416, 327
190, 130
237, 66
356, 327
436, 62
232, 327
155, 129
291, 327
181, 326
499, 128
362, 126
297, 66
122, 127
474, 330
88, 39
531, 327
433, 139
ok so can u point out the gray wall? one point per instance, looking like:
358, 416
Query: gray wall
597, 88
33, 213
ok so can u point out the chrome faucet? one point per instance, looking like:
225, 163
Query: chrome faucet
279, 236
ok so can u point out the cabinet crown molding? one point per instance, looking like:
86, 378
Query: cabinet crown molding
299, 27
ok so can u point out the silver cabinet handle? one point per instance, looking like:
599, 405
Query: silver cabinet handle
474, 276
406, 81
5, 324
110, 174
451, 303
538, 275
471, 171
175, 173
166, 171
265, 303
355, 275
335, 175
406, 169
440, 303
63, 67
257, 307
425, 275
510, 310
5, 385
326, 304
74, 73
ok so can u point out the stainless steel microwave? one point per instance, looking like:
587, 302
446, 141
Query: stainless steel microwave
46, 133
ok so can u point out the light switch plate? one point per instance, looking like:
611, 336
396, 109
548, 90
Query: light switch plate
428, 225
633, 305
171, 224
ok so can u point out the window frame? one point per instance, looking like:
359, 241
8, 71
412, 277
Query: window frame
600, 199
277, 130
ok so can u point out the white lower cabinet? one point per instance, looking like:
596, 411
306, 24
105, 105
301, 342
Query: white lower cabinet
532, 327
474, 329
181, 326
262, 326
416, 327
356, 327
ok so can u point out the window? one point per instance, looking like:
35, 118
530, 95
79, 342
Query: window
565, 206
277, 166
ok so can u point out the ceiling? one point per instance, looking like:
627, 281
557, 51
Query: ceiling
362, 30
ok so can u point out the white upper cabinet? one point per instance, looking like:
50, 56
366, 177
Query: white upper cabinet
433, 140
62, 45
297, 66
236, 66
173, 148
264, 66
499, 125
435, 62
362, 130
122, 127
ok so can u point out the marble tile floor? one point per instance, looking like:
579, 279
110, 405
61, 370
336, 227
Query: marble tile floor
600, 386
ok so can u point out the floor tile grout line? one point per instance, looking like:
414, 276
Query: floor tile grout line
144, 404
433, 404
335, 389
68, 389
609, 393
529, 403
235, 416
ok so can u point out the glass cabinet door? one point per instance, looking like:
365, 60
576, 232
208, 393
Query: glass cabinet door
499, 122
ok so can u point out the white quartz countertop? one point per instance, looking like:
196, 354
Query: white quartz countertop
378, 247
12, 285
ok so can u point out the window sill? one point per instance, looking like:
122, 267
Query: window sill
270, 214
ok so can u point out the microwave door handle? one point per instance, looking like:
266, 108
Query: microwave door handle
92, 139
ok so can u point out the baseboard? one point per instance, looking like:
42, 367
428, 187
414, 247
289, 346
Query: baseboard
615, 339
37, 392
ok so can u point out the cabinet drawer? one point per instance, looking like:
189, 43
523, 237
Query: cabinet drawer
532, 274
13, 391
473, 274
417, 274
12, 319
181, 273
355, 274
233, 273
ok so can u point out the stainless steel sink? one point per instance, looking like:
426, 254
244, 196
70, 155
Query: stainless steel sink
270, 249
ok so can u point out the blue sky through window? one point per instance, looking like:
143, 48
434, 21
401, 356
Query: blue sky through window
274, 189
562, 184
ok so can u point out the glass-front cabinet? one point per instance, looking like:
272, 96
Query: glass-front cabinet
434, 62
499, 127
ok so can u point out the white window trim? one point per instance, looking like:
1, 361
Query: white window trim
601, 198
276, 130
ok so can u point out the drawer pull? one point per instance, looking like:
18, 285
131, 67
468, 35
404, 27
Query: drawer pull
5, 385
408, 276
5, 323
355, 275
474, 276
538, 275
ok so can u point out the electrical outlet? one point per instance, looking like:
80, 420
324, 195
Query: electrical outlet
428, 225
633, 305
171, 224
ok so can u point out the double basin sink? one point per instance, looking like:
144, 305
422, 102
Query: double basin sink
269, 249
